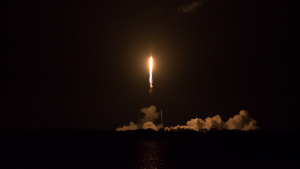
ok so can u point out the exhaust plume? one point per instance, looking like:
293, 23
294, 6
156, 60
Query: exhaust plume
131, 126
241, 121
150, 74
150, 125
146, 121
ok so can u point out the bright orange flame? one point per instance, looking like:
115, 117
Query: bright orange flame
150, 72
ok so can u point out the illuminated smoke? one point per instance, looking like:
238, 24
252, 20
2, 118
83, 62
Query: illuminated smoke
150, 114
150, 125
241, 121
149, 117
131, 126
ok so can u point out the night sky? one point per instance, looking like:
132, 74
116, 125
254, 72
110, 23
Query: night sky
84, 64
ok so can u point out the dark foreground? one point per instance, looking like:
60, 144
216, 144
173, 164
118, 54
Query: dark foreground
148, 149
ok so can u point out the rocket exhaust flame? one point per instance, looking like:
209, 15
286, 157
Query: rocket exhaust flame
150, 74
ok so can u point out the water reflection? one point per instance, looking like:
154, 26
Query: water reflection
151, 155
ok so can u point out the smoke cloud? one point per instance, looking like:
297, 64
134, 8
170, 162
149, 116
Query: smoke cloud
241, 121
150, 125
189, 7
149, 117
131, 126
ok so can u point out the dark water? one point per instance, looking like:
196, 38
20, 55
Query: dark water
148, 150
151, 154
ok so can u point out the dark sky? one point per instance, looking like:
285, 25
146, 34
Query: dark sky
84, 64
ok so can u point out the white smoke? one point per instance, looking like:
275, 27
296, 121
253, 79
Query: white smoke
150, 125
242, 121
150, 114
131, 126
146, 122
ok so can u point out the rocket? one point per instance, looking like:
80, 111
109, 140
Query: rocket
150, 75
